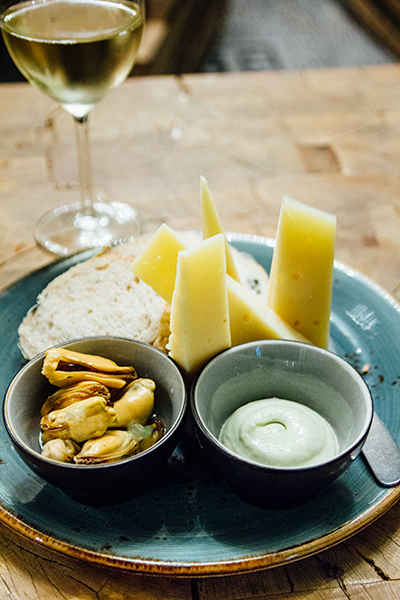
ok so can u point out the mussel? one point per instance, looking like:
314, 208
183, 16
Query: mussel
66, 396
81, 421
113, 445
64, 367
136, 404
60, 450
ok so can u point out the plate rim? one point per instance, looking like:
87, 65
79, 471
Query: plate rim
160, 567
205, 569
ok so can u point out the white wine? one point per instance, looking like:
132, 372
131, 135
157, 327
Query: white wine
74, 50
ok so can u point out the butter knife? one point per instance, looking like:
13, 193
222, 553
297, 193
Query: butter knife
382, 453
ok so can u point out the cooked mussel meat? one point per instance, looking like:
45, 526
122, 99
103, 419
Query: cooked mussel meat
66, 396
113, 445
81, 421
64, 367
136, 403
60, 450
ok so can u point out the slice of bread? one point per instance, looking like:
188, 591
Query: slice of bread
101, 296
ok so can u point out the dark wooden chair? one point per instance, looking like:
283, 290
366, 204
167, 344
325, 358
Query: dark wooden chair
380, 18
178, 35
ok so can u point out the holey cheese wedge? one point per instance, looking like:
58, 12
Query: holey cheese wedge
156, 265
300, 285
211, 225
251, 320
199, 309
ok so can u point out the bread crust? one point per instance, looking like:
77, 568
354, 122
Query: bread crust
100, 296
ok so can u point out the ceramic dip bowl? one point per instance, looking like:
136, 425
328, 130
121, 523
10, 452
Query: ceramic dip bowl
104, 483
306, 374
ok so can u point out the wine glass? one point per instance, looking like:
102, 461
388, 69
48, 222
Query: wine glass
76, 51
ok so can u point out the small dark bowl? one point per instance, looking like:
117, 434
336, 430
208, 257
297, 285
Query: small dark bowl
275, 368
103, 483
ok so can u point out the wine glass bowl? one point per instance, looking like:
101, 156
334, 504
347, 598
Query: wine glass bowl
76, 51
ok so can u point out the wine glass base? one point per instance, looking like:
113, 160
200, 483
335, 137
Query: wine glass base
71, 228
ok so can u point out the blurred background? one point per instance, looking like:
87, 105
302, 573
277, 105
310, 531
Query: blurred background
189, 36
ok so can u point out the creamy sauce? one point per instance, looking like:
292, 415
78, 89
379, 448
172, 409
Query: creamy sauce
279, 433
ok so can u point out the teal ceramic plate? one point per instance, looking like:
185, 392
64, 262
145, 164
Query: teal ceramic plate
188, 523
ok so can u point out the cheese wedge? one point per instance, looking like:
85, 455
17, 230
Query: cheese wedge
251, 320
211, 225
301, 277
156, 265
199, 309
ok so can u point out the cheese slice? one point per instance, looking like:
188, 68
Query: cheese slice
199, 309
301, 277
251, 320
156, 264
211, 225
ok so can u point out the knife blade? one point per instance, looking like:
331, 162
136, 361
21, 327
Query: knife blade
382, 453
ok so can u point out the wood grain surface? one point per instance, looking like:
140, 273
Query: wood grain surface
329, 138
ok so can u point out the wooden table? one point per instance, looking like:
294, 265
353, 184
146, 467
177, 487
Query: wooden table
329, 138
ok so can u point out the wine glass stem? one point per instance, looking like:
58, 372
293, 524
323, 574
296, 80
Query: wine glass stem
84, 164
